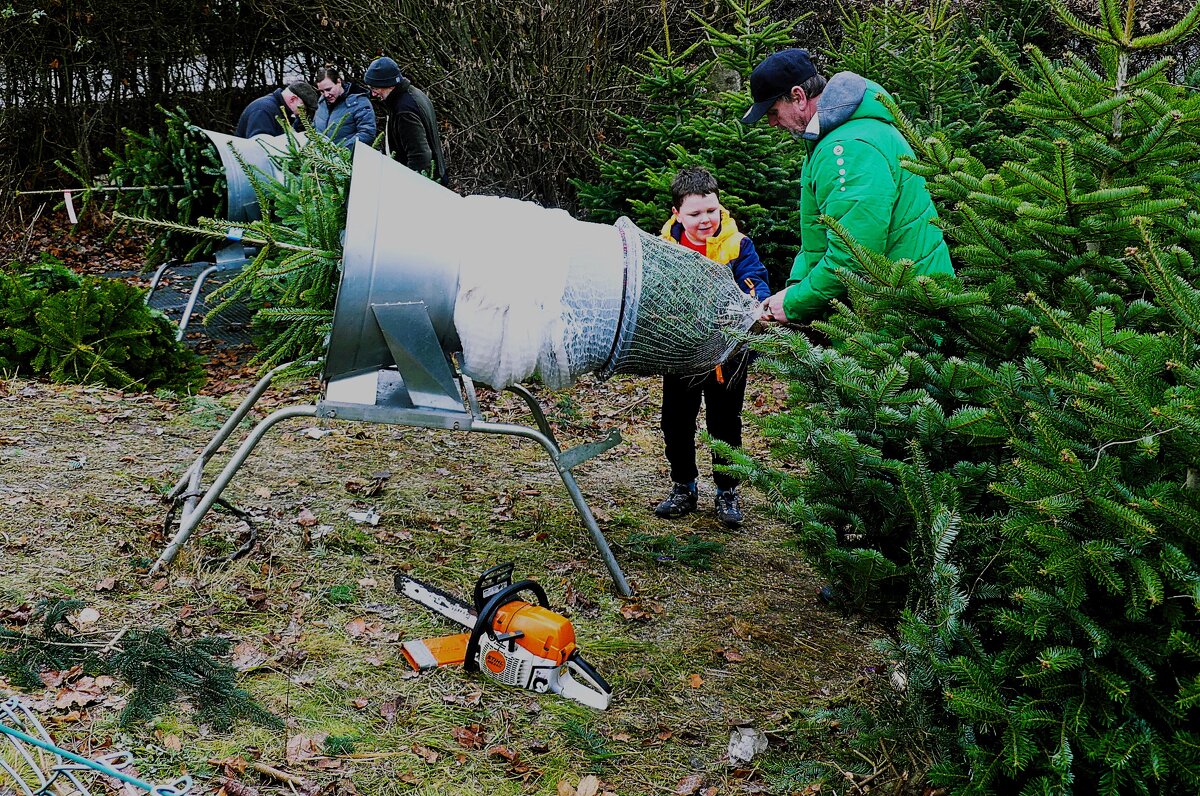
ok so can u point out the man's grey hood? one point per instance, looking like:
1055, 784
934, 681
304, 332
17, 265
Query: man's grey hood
842, 96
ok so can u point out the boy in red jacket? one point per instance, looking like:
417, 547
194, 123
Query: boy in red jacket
699, 222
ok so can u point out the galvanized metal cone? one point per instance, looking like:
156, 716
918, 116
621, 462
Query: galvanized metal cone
399, 249
257, 152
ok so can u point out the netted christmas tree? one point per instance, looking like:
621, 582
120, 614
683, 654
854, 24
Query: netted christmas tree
1005, 466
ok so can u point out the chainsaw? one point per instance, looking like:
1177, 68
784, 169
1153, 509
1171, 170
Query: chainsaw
511, 641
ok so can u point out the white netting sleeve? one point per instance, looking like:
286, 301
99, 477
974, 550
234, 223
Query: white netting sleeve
538, 292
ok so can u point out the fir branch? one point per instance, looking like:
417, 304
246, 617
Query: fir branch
211, 233
158, 668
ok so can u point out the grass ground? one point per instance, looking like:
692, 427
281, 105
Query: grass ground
317, 626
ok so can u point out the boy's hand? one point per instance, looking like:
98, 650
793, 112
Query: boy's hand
772, 309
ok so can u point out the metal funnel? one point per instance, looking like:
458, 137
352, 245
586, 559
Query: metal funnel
257, 152
398, 253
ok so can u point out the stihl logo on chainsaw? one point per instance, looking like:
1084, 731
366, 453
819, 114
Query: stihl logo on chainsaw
510, 640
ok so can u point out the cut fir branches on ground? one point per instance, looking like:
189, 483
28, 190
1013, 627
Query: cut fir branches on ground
160, 669
691, 551
87, 330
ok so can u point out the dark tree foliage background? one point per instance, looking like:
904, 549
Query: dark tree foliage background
524, 89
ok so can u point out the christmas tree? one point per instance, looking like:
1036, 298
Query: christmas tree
1004, 466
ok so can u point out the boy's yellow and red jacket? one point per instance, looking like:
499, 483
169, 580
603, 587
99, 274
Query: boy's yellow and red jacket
730, 247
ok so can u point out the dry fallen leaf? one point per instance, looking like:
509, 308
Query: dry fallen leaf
471, 737
234, 766
246, 656
387, 710
232, 787
641, 611
503, 752
425, 753
689, 785
588, 786
87, 616
695, 680
70, 697
359, 702
565, 788
108, 584
306, 519
304, 747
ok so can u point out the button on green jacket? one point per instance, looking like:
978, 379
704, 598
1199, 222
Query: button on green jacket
853, 174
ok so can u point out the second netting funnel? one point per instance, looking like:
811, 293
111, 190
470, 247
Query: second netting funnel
518, 290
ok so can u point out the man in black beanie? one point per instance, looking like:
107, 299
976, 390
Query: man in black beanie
412, 133
262, 117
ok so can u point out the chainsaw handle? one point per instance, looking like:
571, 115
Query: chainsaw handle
591, 690
487, 615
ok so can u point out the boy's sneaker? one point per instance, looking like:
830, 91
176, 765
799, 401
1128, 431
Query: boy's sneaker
681, 501
729, 508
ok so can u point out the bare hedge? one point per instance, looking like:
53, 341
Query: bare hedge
523, 88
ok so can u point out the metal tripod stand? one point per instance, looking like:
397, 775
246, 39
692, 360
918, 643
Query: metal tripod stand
393, 405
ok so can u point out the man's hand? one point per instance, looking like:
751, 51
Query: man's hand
772, 309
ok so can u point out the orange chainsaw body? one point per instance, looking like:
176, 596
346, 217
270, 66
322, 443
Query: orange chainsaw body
546, 634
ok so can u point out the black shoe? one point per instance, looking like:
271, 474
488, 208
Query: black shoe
681, 501
829, 595
729, 508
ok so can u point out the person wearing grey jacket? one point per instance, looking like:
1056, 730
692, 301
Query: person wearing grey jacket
412, 131
345, 113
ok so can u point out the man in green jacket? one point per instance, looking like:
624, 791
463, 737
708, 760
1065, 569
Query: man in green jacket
852, 173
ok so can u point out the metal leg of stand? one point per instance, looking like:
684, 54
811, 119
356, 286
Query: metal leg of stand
188, 524
162, 269
230, 426
192, 299
535, 409
577, 498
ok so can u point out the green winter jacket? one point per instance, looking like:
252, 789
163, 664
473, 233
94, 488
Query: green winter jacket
853, 174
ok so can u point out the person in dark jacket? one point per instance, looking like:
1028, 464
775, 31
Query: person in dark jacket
262, 116
412, 133
345, 113
699, 222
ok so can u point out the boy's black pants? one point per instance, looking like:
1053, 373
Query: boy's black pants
722, 417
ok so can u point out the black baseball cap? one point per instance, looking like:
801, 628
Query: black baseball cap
774, 78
